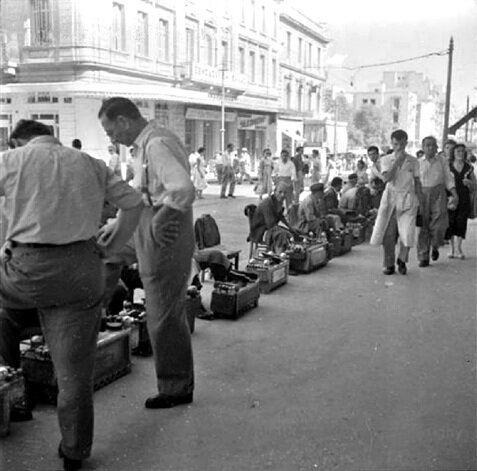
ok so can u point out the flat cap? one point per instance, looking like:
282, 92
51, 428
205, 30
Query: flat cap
317, 187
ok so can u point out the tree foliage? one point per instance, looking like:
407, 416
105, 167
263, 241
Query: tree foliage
370, 127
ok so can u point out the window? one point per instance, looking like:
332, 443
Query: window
288, 44
190, 49
119, 28
41, 23
300, 50
262, 70
288, 96
396, 103
275, 24
318, 58
163, 40
310, 100
243, 11
264, 20
252, 66
373, 101
242, 60
274, 72
209, 50
395, 117
252, 13
300, 98
365, 101
225, 55
308, 58
142, 36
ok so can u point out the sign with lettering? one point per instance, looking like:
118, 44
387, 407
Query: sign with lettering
209, 115
252, 121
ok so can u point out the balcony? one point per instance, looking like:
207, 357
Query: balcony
205, 77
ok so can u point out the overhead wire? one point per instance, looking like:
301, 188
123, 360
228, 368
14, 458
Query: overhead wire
367, 66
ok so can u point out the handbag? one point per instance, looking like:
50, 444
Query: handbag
472, 196
473, 204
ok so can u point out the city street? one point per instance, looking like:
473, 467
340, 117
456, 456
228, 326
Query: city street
340, 369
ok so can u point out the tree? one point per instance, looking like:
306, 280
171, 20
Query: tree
371, 126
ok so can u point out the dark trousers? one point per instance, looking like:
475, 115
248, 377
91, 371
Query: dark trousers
65, 285
164, 273
228, 178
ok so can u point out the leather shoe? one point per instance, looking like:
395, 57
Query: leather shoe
223, 197
434, 255
231, 196
163, 401
401, 267
389, 270
424, 263
69, 464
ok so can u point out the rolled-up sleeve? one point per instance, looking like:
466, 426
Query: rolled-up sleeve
119, 193
170, 176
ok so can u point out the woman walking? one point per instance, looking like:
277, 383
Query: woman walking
465, 182
265, 168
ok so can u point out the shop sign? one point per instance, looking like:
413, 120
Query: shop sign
253, 121
208, 115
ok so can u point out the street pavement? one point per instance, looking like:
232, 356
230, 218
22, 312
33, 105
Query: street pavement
340, 369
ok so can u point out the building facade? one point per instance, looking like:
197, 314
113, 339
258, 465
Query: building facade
213, 75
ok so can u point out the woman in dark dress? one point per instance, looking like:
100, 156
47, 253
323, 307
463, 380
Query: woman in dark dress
464, 181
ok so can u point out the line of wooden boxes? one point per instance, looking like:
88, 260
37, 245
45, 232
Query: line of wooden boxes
267, 271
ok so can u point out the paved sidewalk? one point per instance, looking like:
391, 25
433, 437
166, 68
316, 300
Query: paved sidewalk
341, 369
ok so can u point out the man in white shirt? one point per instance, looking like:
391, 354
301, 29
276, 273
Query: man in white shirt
228, 177
436, 178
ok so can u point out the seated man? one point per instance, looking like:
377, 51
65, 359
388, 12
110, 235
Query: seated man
377, 189
335, 216
348, 198
312, 211
265, 222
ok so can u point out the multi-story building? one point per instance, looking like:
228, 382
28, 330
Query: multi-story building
213, 75
302, 71
409, 101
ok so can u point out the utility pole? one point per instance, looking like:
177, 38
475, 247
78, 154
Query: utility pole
467, 123
448, 91
335, 134
222, 129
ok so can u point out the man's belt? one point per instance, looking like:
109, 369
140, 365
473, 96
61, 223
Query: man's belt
34, 245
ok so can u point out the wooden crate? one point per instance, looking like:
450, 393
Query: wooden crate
230, 300
270, 277
113, 360
311, 258
11, 392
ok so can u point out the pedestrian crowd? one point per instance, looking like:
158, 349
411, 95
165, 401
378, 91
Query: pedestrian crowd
63, 246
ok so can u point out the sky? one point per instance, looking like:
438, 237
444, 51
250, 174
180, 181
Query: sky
366, 32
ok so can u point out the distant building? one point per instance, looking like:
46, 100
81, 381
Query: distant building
409, 101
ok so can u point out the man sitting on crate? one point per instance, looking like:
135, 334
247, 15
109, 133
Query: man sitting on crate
265, 226
312, 211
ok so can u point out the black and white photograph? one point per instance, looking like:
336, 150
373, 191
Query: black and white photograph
238, 235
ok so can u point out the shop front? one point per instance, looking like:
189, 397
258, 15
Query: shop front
252, 134
203, 129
